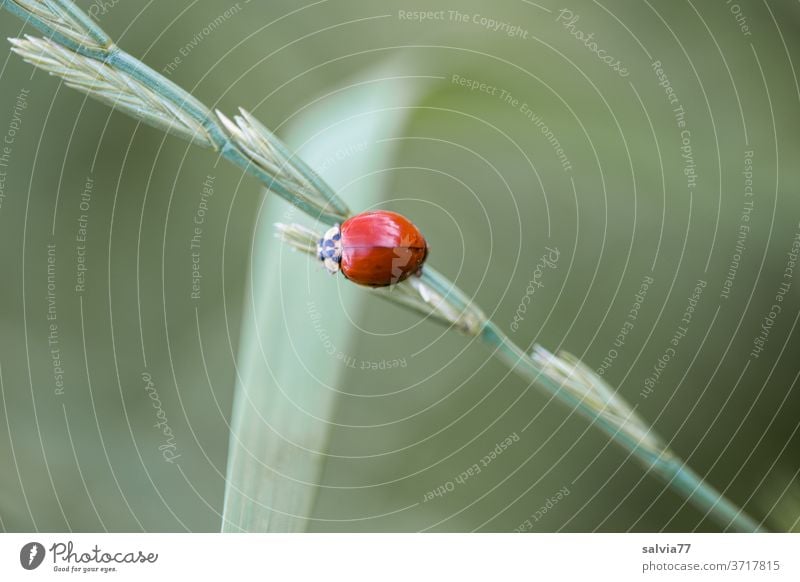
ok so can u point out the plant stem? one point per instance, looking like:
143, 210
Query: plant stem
228, 149
64, 23
563, 377
666, 465
96, 44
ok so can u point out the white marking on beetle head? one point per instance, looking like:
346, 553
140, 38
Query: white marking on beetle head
329, 249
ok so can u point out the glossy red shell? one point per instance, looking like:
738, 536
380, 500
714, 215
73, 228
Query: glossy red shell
381, 248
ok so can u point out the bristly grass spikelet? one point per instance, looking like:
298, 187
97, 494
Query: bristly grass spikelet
569, 373
266, 151
299, 237
63, 19
115, 88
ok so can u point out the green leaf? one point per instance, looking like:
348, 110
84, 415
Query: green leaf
297, 321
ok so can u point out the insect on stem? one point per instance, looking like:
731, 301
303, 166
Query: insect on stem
78, 51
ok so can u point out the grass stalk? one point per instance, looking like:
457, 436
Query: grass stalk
579, 388
77, 50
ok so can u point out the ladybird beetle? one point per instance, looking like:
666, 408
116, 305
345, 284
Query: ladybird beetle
376, 248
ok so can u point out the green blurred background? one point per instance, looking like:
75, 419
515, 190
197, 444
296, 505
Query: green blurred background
486, 186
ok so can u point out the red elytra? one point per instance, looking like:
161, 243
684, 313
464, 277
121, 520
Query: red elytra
377, 248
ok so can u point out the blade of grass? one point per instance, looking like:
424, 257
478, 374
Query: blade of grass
282, 409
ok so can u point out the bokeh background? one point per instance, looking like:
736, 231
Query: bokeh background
359, 402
